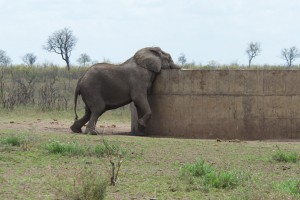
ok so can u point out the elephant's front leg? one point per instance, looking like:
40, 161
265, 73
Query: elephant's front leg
143, 108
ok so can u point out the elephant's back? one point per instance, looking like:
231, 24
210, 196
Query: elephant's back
102, 70
100, 67
105, 78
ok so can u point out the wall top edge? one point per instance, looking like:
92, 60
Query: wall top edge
188, 70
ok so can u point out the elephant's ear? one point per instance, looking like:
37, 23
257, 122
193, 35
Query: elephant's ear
149, 58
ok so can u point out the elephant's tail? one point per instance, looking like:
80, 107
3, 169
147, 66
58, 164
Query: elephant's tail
77, 93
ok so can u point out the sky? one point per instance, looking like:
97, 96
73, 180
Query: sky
203, 30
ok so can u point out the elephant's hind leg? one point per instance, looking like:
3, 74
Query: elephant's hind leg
78, 124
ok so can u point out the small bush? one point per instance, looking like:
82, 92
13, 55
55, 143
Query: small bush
282, 156
222, 179
115, 155
290, 186
86, 185
68, 148
109, 149
113, 149
209, 176
12, 140
100, 150
26, 142
197, 169
113, 152
22, 141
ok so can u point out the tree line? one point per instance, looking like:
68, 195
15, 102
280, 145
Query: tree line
61, 42
254, 49
44, 88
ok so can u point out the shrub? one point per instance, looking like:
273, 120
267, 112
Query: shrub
115, 155
12, 140
197, 169
209, 176
68, 148
282, 156
86, 185
22, 141
113, 152
100, 150
222, 179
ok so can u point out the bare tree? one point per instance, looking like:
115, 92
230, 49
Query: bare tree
4, 59
83, 59
29, 59
62, 42
290, 55
182, 59
252, 51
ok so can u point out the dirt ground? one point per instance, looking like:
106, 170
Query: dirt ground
48, 126
59, 126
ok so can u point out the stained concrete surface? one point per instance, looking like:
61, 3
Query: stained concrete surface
225, 104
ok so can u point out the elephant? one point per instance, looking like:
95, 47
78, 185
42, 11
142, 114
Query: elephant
106, 86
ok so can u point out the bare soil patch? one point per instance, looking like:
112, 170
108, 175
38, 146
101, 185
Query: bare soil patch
53, 125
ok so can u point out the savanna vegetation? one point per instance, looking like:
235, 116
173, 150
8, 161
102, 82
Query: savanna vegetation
54, 165
45, 88
52, 88
39, 163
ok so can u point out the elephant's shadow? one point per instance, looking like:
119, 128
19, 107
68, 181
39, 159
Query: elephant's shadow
116, 129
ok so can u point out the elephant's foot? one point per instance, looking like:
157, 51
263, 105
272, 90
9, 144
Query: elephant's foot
142, 123
75, 129
91, 131
140, 133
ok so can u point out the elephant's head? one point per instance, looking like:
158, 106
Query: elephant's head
154, 59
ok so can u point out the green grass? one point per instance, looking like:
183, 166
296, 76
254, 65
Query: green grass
291, 186
284, 156
198, 169
87, 185
11, 140
105, 148
21, 140
152, 167
110, 149
65, 148
210, 177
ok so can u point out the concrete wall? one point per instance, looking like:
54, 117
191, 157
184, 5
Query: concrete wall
225, 104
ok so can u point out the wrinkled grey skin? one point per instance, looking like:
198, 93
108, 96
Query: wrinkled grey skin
105, 86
